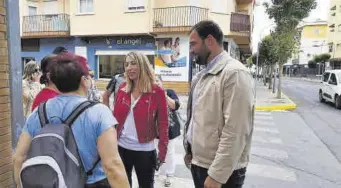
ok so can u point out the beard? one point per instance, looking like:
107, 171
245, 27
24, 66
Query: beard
201, 59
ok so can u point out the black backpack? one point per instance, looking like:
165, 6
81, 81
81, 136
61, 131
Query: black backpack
53, 160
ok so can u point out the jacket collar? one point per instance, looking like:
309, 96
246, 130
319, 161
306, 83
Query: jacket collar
220, 64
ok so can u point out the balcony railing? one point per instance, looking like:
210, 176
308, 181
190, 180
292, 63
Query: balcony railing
178, 18
52, 25
240, 22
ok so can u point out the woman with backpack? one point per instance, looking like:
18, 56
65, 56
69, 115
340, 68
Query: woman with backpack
141, 112
168, 169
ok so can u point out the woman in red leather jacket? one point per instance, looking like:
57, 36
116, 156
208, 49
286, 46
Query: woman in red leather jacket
141, 111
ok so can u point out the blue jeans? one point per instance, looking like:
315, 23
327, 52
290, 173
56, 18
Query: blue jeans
236, 179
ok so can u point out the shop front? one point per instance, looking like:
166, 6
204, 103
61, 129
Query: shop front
106, 54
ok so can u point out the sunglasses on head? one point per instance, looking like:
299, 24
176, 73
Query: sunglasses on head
37, 70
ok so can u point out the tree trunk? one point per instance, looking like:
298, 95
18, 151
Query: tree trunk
279, 89
272, 66
264, 73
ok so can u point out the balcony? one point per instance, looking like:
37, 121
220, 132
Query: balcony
244, 1
240, 27
177, 19
52, 25
240, 23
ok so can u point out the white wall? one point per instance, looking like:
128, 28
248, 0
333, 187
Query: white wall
312, 47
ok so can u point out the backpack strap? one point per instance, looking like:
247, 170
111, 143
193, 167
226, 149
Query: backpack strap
78, 111
42, 114
73, 116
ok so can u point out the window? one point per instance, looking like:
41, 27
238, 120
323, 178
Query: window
340, 9
86, 6
30, 45
136, 5
338, 47
339, 28
32, 10
110, 65
326, 76
219, 6
333, 79
51, 7
331, 46
317, 31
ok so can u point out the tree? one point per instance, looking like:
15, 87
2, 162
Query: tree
287, 14
268, 57
311, 64
322, 59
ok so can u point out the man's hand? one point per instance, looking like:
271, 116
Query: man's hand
188, 160
211, 183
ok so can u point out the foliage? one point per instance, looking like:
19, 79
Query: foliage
287, 14
322, 58
312, 64
267, 51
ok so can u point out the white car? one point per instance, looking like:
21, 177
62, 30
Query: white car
330, 89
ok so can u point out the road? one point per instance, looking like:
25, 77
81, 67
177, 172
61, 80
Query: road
322, 118
285, 153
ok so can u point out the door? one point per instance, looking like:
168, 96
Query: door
325, 86
332, 87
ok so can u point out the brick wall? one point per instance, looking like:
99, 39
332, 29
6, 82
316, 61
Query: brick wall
5, 108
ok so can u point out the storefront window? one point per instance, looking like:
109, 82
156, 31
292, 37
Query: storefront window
110, 65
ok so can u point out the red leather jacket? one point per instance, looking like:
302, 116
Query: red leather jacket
150, 115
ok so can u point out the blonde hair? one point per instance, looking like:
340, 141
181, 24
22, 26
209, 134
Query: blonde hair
146, 76
29, 70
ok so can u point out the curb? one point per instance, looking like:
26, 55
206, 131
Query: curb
291, 106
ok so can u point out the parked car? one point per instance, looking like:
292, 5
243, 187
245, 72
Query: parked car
330, 89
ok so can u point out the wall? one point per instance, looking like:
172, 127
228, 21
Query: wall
315, 31
5, 108
48, 45
313, 47
110, 18
335, 37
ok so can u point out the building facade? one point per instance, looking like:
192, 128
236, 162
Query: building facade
105, 31
6, 172
334, 34
313, 41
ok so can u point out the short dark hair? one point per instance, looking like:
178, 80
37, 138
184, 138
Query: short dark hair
59, 50
166, 42
66, 73
45, 65
207, 27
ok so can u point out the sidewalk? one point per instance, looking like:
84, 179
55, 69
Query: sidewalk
267, 101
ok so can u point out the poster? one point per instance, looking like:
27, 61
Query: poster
171, 58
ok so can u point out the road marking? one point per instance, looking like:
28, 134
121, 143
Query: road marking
262, 113
267, 130
270, 123
271, 140
263, 118
268, 171
271, 153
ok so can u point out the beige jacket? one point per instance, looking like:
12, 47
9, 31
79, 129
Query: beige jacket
30, 91
223, 118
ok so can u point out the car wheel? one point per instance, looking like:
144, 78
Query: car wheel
337, 102
321, 97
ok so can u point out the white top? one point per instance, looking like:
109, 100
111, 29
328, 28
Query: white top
128, 138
